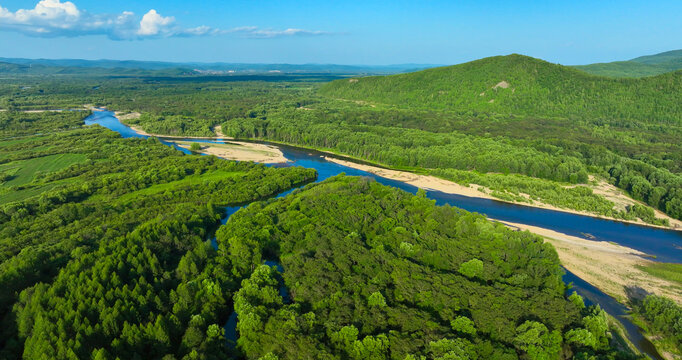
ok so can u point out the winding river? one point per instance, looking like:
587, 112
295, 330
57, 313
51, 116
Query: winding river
666, 245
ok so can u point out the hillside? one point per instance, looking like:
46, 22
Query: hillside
13, 68
638, 67
520, 85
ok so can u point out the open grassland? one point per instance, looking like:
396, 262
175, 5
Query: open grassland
188, 182
24, 171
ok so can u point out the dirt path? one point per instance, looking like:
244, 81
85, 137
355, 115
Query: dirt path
218, 130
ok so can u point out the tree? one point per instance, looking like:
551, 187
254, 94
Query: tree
195, 147
472, 268
463, 325
376, 299
537, 341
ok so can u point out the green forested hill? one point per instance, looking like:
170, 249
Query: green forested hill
521, 85
373, 272
642, 66
668, 58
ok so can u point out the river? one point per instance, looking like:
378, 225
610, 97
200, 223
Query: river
665, 244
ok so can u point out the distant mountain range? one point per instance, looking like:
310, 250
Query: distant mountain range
133, 67
639, 67
642, 66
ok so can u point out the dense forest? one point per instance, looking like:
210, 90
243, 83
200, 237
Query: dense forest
104, 242
106, 254
371, 272
101, 246
641, 157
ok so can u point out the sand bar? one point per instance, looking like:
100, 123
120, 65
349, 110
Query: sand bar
122, 116
139, 131
609, 267
241, 151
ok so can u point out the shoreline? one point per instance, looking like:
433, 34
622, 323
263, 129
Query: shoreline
430, 182
139, 131
607, 266
239, 151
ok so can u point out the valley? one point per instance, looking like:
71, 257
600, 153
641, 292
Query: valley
433, 208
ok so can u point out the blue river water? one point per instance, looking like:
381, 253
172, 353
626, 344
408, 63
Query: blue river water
665, 245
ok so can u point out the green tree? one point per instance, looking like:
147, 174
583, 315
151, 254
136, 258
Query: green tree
463, 325
472, 268
537, 341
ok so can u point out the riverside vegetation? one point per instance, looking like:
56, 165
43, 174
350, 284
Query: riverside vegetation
107, 257
526, 129
635, 150
107, 250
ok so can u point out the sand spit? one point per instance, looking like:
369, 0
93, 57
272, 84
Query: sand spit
240, 151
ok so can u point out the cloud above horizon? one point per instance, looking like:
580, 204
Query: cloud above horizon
53, 18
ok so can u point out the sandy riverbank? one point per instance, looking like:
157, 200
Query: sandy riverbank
429, 182
139, 131
122, 116
240, 151
426, 182
610, 267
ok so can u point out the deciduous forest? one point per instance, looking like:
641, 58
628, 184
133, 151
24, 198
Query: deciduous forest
105, 242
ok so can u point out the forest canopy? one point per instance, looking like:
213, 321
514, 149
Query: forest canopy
372, 272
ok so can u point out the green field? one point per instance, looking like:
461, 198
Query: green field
20, 195
670, 272
189, 181
24, 171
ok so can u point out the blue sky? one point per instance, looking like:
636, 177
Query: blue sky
341, 32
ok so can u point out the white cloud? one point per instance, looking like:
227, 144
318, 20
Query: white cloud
152, 23
255, 32
52, 18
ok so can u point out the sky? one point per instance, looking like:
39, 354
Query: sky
339, 32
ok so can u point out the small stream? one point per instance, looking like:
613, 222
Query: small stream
665, 245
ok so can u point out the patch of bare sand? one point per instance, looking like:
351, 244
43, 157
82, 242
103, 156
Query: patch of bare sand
622, 201
139, 131
241, 151
218, 130
422, 181
502, 84
127, 116
608, 266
